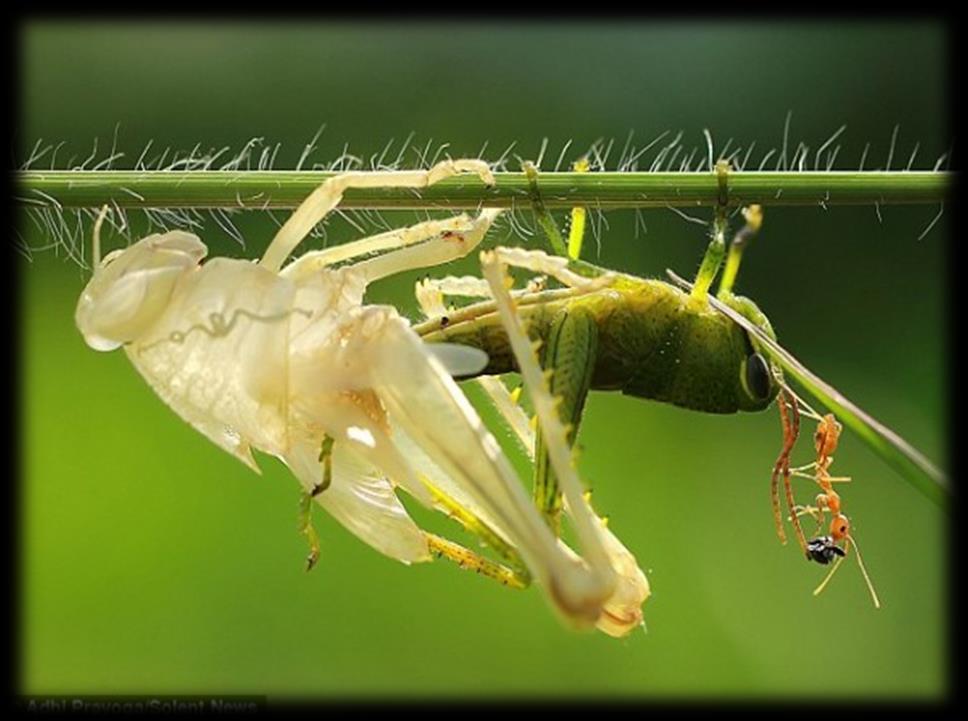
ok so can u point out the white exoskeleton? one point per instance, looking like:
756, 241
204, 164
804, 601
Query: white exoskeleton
291, 362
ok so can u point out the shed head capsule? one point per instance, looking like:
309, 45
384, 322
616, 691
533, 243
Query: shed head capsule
131, 287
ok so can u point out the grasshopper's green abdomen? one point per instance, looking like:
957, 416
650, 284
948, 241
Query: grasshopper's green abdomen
653, 341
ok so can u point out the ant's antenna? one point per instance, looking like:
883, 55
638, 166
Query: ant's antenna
863, 569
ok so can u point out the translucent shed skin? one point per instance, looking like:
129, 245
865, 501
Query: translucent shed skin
284, 360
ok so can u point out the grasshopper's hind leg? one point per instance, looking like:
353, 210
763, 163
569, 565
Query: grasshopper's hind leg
514, 574
442, 547
569, 350
568, 355
433, 422
606, 556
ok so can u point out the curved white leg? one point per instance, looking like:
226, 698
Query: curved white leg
328, 195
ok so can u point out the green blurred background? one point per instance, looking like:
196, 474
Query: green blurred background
154, 562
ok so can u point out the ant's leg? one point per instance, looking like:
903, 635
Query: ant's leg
777, 510
820, 516
799, 472
754, 220
815, 512
863, 569
328, 195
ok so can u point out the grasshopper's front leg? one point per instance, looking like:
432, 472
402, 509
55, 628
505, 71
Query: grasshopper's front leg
716, 251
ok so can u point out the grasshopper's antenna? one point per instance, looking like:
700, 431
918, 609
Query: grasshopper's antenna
96, 248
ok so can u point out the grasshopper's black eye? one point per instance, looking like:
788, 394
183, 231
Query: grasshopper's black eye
758, 377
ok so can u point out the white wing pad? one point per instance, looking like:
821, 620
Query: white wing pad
459, 360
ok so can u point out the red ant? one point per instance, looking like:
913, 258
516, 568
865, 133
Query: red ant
823, 549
